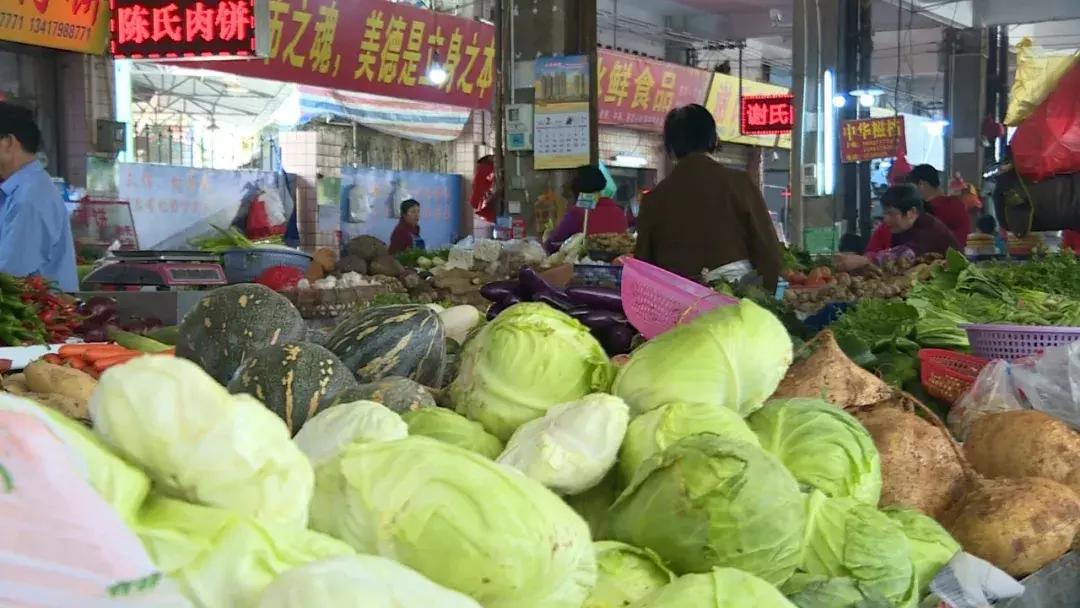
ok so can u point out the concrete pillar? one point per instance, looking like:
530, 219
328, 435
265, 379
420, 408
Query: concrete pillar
539, 28
965, 102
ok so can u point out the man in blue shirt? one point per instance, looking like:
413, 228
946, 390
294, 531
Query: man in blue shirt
35, 232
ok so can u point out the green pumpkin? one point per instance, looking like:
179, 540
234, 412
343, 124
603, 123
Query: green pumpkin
293, 380
402, 340
398, 394
231, 323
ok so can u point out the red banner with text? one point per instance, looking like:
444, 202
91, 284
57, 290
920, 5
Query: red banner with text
637, 93
862, 140
377, 47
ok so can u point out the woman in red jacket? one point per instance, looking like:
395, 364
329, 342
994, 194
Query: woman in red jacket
607, 217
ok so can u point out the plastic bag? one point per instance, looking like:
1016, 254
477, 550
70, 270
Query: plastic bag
1050, 382
993, 392
1037, 73
970, 581
611, 189
1048, 142
63, 545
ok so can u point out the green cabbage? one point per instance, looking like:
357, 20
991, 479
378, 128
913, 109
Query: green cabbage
530, 358
121, 485
573, 446
718, 588
815, 591
199, 443
734, 356
220, 558
711, 501
325, 435
656, 429
455, 429
459, 519
359, 581
931, 546
846, 538
625, 574
593, 505
823, 446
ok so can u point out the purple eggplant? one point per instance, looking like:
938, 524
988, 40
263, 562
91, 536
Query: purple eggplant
602, 319
496, 308
556, 300
604, 298
499, 291
617, 339
533, 286
98, 307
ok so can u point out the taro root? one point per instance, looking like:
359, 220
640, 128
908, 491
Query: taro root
1024, 443
827, 373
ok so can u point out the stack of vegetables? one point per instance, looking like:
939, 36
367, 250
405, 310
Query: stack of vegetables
706, 470
32, 312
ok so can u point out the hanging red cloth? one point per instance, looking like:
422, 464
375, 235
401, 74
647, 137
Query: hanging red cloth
1048, 142
899, 170
483, 189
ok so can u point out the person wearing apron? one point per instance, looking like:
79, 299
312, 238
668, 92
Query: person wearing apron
406, 234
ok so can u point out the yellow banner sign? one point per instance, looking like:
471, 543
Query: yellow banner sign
724, 104
71, 25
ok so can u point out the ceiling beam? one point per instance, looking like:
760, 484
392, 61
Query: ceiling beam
957, 13
1004, 12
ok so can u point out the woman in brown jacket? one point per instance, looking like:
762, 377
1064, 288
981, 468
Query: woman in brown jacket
704, 215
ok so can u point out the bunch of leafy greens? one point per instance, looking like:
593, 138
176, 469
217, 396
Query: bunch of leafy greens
878, 335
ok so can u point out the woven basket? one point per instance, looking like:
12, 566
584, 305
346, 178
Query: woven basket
330, 303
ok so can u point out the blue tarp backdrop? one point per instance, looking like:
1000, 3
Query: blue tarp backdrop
370, 200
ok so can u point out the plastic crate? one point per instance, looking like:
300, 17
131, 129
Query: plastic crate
597, 275
245, 265
1016, 341
947, 375
656, 300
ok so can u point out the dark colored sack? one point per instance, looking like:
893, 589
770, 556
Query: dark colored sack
1023, 206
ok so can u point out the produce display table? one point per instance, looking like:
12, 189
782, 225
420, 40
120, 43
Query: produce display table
1055, 586
168, 306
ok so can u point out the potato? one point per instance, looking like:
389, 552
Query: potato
68, 406
16, 384
1024, 443
46, 378
920, 467
1019, 525
828, 373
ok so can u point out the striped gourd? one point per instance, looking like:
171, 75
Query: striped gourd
293, 380
403, 340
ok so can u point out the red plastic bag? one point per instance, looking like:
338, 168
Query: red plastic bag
483, 189
280, 278
1048, 142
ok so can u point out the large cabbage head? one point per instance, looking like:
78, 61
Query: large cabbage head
199, 443
931, 546
815, 591
529, 359
459, 519
221, 558
656, 429
710, 501
573, 446
594, 504
734, 356
325, 435
718, 588
625, 574
822, 445
359, 581
847, 538
455, 429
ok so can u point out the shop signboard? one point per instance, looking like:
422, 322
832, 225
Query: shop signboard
561, 133
767, 114
71, 25
170, 205
377, 47
176, 29
637, 93
863, 140
725, 103
371, 199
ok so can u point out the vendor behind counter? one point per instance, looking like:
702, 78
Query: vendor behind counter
606, 218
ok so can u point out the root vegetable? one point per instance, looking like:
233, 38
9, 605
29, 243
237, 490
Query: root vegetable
16, 384
46, 378
1024, 443
1019, 525
77, 409
828, 374
920, 466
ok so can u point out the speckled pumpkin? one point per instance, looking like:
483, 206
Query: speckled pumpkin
293, 380
404, 340
398, 394
231, 323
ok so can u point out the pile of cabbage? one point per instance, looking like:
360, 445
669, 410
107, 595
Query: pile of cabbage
557, 481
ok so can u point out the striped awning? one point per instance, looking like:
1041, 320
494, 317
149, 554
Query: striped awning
416, 120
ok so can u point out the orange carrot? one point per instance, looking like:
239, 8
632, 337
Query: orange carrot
78, 350
97, 355
77, 363
53, 358
104, 364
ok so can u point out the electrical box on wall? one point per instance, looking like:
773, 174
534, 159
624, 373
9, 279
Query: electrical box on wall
111, 136
519, 127
810, 180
